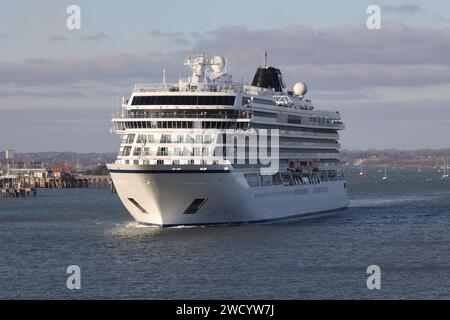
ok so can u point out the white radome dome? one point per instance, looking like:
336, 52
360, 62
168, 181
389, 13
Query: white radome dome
300, 89
218, 64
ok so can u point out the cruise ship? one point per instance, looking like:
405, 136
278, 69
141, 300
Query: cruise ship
210, 150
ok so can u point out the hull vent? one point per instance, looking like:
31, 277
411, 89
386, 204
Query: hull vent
137, 205
195, 206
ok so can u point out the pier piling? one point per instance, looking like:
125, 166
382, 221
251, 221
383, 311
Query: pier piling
24, 186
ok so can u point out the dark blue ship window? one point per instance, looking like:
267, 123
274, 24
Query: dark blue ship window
183, 100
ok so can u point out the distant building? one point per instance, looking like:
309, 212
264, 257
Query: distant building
9, 154
61, 168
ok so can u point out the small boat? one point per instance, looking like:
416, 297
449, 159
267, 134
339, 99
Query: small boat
445, 175
385, 173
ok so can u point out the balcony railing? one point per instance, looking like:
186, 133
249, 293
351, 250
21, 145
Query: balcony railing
195, 114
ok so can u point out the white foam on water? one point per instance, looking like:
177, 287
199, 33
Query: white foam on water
138, 225
186, 227
382, 202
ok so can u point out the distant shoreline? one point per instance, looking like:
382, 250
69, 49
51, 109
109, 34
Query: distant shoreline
391, 157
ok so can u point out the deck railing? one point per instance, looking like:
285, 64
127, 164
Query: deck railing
186, 87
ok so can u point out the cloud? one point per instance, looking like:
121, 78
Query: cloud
162, 34
58, 39
363, 72
110, 68
292, 45
342, 58
42, 94
181, 41
196, 35
176, 37
100, 36
349, 77
404, 8
439, 18
333, 95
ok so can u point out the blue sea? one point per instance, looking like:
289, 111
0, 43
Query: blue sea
401, 225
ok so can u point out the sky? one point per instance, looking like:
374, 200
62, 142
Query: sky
59, 87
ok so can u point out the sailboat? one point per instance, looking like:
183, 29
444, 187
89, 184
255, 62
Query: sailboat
385, 173
420, 167
445, 175
361, 170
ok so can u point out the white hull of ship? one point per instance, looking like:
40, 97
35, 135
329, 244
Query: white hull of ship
166, 195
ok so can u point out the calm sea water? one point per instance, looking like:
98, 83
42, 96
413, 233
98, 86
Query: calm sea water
402, 225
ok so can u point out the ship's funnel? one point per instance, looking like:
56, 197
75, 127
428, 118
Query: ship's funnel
269, 78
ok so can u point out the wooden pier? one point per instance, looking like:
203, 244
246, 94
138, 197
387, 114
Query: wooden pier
17, 192
22, 186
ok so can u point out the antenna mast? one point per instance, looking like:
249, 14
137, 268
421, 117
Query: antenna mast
164, 78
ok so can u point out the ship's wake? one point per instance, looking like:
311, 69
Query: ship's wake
392, 201
136, 225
